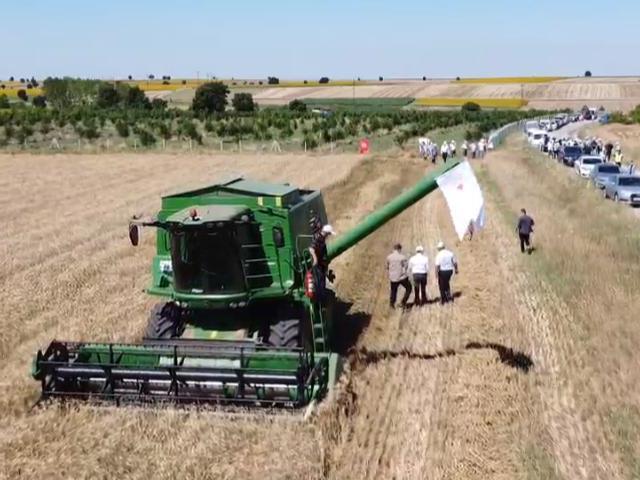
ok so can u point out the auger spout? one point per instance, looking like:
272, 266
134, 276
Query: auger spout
377, 219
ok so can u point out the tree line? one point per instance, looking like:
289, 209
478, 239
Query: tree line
91, 109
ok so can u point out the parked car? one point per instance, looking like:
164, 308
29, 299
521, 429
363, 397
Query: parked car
585, 164
624, 188
561, 119
569, 155
536, 137
531, 125
603, 174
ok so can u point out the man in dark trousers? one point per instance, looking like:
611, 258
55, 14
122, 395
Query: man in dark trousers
446, 265
397, 269
318, 251
525, 229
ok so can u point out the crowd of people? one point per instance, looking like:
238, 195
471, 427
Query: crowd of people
429, 150
609, 151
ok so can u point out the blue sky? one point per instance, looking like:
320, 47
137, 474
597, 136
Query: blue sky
308, 39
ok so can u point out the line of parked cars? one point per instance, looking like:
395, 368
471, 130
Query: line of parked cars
588, 160
615, 181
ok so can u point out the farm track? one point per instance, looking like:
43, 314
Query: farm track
415, 416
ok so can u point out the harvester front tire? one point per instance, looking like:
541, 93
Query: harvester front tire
164, 322
285, 333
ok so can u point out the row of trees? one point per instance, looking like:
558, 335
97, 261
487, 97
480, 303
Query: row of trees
151, 125
93, 109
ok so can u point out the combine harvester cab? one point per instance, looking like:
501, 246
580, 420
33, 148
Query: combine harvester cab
238, 323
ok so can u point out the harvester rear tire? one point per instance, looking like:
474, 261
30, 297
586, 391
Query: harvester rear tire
164, 322
285, 333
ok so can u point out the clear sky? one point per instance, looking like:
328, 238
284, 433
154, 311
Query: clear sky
311, 38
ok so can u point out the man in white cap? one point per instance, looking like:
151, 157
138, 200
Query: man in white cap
419, 267
318, 251
446, 264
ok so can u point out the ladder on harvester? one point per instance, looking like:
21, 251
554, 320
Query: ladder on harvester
256, 267
319, 328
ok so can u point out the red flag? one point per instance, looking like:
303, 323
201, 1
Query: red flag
364, 146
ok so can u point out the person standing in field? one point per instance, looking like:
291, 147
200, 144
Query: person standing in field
465, 149
433, 152
472, 147
446, 265
444, 150
318, 251
525, 229
452, 148
423, 146
397, 270
419, 268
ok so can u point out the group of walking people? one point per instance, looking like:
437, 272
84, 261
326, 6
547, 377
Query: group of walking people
429, 150
400, 269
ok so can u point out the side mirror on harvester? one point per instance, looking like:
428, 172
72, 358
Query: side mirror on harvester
134, 234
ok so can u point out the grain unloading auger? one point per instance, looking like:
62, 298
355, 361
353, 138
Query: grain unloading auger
238, 324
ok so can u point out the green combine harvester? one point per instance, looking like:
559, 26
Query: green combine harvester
238, 323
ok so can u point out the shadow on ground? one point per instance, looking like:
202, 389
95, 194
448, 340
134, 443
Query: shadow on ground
508, 356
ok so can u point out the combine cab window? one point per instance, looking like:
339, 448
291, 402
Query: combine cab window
206, 260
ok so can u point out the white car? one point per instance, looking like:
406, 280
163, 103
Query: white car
585, 164
531, 125
545, 124
536, 137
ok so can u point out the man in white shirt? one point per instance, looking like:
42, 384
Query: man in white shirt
423, 144
472, 147
452, 149
419, 267
444, 151
446, 264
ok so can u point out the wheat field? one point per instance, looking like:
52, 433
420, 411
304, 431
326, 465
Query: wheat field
531, 373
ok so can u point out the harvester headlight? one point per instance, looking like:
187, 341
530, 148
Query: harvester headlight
242, 304
233, 305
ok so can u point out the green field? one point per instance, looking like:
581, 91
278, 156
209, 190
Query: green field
359, 104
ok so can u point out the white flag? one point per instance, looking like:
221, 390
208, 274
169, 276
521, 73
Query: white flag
464, 198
